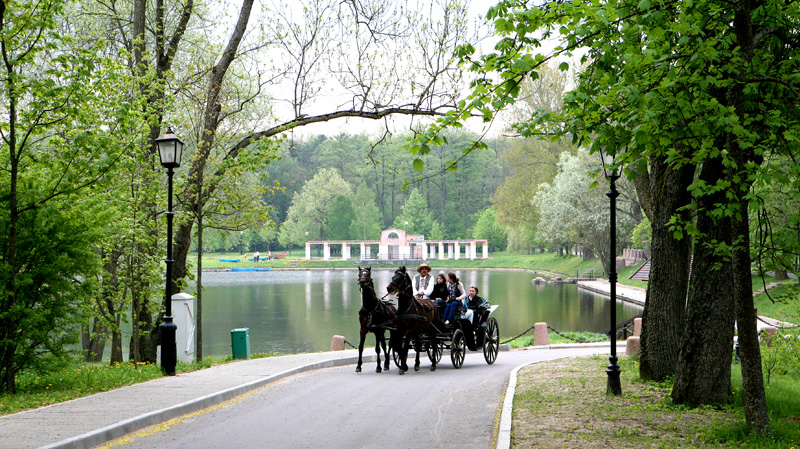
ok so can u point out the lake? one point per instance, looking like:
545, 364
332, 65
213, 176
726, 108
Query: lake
300, 311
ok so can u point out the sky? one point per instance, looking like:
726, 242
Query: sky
400, 124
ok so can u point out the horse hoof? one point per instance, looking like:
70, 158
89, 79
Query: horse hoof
358, 369
416, 368
378, 370
433, 367
401, 372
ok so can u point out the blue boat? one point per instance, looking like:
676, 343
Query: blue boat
230, 260
251, 269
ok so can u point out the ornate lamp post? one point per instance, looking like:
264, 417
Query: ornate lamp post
170, 148
610, 170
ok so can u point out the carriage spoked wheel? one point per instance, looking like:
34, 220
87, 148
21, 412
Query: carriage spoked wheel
491, 342
458, 349
435, 351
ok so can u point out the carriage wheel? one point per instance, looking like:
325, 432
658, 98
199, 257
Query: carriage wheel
458, 349
491, 342
435, 351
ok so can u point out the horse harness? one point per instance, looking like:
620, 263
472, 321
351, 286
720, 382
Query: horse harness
380, 303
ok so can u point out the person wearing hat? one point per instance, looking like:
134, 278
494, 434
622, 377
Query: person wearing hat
423, 282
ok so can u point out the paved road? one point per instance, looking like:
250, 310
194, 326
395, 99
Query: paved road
336, 408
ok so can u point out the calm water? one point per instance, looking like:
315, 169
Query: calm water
300, 311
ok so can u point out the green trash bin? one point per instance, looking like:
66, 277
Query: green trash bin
240, 343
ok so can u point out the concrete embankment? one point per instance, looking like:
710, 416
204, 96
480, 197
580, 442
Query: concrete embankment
635, 295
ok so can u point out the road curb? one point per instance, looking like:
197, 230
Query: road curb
123, 428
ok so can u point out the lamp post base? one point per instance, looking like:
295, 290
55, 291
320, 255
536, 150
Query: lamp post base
614, 386
169, 350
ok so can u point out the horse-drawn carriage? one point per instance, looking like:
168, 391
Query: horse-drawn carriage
418, 322
457, 338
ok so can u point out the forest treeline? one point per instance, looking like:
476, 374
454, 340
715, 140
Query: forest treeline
352, 187
519, 194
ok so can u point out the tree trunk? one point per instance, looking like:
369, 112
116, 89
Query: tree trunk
199, 311
116, 341
94, 340
194, 191
662, 192
703, 374
753, 394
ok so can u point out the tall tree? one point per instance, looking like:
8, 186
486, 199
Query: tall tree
366, 223
61, 117
341, 214
530, 162
573, 213
416, 214
486, 227
662, 189
310, 206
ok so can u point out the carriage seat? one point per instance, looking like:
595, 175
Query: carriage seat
481, 315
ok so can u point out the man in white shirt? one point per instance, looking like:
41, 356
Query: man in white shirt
422, 282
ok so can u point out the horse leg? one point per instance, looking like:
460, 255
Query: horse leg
379, 341
417, 348
363, 336
386, 347
403, 354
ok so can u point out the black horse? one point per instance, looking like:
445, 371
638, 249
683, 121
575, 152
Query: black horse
374, 317
414, 321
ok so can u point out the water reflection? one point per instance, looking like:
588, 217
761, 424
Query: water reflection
300, 311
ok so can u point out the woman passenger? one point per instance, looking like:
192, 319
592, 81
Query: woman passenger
475, 306
455, 297
439, 294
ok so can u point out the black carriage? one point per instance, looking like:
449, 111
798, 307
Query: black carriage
459, 336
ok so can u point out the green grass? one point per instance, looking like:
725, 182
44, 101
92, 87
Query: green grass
83, 379
783, 403
782, 302
553, 338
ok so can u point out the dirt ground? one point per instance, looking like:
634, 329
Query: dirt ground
562, 404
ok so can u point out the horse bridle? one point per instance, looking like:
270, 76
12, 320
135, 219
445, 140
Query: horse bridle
362, 284
401, 287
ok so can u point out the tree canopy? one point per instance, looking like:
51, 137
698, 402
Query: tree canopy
702, 84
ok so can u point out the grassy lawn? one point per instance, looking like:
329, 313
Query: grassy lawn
562, 404
83, 379
782, 303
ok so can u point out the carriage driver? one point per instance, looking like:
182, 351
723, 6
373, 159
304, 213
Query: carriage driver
422, 282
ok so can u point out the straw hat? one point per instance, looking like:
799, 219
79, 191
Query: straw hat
423, 265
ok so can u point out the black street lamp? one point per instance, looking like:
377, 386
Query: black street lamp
610, 170
170, 148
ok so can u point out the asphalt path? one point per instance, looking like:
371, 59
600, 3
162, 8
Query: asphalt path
337, 408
